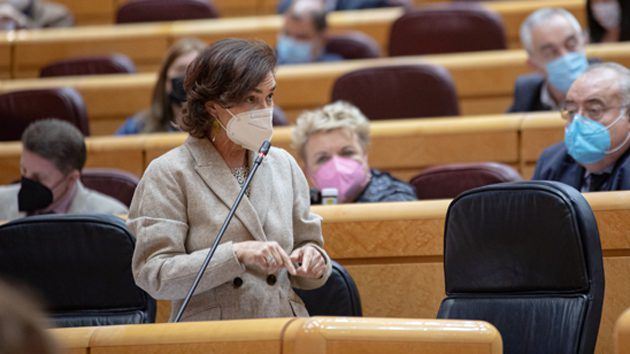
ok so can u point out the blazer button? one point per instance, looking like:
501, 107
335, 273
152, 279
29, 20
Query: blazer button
271, 279
237, 282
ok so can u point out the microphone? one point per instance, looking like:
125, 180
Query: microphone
262, 153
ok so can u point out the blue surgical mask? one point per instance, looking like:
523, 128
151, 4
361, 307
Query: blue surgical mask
588, 141
293, 51
563, 71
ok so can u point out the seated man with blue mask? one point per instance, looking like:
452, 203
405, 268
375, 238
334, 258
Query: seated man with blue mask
594, 155
53, 155
303, 36
554, 42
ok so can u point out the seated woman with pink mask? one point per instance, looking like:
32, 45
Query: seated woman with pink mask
333, 143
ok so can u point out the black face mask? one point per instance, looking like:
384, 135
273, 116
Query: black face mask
178, 94
33, 196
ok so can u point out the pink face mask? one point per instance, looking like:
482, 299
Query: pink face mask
347, 175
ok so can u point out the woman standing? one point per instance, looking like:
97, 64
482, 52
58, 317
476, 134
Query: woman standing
274, 242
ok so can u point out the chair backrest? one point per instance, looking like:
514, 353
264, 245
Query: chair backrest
18, 109
115, 183
89, 65
338, 297
448, 181
79, 265
455, 27
279, 118
403, 91
526, 257
165, 10
353, 45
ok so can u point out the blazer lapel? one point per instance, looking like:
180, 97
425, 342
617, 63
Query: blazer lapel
217, 176
260, 193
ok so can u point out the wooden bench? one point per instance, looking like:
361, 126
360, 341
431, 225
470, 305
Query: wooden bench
622, 333
484, 82
394, 252
146, 43
403, 147
316, 335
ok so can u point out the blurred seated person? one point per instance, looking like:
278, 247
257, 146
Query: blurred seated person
608, 20
303, 35
17, 14
53, 155
168, 93
340, 5
23, 325
333, 143
555, 43
594, 155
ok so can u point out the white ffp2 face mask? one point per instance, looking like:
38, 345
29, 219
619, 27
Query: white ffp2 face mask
250, 129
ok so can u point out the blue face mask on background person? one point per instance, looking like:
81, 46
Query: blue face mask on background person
562, 71
588, 141
293, 51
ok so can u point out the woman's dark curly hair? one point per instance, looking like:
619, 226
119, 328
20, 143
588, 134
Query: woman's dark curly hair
225, 72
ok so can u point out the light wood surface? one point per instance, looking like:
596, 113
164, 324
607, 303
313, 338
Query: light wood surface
74, 340
402, 147
622, 333
316, 335
484, 83
5, 57
146, 43
332, 335
394, 252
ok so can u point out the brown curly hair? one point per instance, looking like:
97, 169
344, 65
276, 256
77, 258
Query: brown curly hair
225, 72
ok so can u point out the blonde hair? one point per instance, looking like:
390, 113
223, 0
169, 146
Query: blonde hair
333, 116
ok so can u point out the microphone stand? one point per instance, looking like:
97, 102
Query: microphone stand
262, 152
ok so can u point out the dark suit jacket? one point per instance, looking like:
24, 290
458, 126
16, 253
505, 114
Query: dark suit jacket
527, 94
555, 164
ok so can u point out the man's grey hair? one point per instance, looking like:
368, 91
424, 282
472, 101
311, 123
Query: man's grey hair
540, 17
58, 142
622, 78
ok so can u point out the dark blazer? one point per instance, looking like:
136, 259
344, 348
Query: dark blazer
527, 94
555, 164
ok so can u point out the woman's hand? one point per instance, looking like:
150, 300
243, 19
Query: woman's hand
268, 256
312, 263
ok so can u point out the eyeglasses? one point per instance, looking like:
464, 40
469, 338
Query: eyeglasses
594, 111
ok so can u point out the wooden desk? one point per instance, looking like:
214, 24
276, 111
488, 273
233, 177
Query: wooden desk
622, 333
146, 43
5, 55
484, 82
394, 252
316, 335
402, 147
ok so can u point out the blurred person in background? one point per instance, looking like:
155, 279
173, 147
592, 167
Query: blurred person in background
168, 94
608, 20
17, 14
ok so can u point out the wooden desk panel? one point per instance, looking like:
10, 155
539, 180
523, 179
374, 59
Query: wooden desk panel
74, 340
484, 82
145, 44
394, 253
5, 56
622, 333
349, 335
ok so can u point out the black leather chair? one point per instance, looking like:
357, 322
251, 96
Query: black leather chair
79, 265
338, 297
526, 257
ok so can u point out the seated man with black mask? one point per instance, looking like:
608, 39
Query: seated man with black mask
594, 155
53, 155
